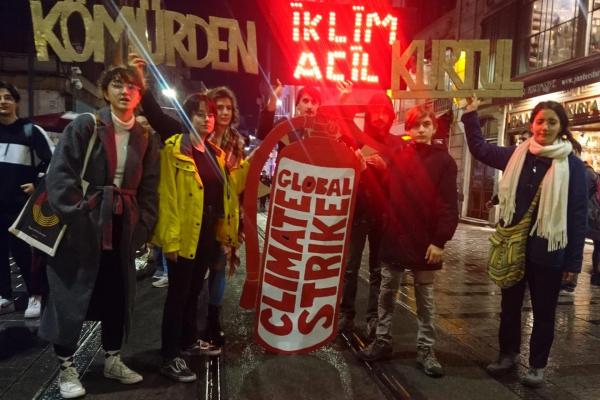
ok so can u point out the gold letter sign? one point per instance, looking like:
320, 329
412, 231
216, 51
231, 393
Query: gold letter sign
175, 34
454, 71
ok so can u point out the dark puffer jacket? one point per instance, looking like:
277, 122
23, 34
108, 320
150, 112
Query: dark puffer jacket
422, 205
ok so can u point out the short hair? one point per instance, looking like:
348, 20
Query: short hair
12, 89
310, 91
192, 102
125, 73
223, 92
416, 114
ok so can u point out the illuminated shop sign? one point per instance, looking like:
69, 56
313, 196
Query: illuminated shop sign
518, 120
583, 108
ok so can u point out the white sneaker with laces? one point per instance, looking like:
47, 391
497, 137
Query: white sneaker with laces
34, 308
6, 306
162, 282
114, 368
69, 383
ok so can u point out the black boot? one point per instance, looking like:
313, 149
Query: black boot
213, 320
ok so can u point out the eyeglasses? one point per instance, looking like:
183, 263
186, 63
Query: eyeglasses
118, 85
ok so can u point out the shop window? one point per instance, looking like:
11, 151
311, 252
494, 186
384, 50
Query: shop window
595, 27
552, 33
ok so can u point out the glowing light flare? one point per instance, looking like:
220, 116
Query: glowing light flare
332, 36
307, 67
310, 25
330, 70
389, 22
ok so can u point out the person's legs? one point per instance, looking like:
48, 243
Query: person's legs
216, 292
544, 286
382, 345
375, 235
21, 252
426, 359
358, 237
509, 334
180, 275
423, 282
595, 278
6, 302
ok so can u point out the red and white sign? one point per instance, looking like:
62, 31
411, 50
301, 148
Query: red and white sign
305, 242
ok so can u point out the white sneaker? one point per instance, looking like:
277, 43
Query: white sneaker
69, 383
162, 282
114, 368
6, 306
34, 308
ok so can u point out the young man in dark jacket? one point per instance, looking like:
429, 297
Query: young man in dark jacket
423, 215
368, 218
24, 152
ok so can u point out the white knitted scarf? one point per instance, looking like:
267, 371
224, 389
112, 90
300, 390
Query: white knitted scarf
551, 220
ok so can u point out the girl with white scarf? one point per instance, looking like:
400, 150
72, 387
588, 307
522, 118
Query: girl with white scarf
557, 235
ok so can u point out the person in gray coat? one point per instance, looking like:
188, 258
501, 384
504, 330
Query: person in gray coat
92, 275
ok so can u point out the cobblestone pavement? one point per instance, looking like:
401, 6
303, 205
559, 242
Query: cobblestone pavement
468, 307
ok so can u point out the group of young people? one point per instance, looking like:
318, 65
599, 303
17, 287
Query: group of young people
422, 215
179, 188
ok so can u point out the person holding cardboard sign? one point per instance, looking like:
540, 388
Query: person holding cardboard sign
544, 164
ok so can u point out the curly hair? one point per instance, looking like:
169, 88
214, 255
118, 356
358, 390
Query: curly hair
223, 92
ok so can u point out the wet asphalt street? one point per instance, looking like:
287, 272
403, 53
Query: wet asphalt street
468, 312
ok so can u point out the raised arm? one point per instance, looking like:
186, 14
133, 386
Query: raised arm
488, 153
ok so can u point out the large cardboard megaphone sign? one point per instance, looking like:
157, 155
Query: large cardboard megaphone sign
296, 284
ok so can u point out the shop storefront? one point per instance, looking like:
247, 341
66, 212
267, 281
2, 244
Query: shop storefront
583, 109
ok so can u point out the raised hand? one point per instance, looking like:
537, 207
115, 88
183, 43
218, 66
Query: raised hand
472, 103
345, 88
272, 103
139, 64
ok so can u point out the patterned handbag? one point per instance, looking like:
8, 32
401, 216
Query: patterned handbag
37, 224
506, 260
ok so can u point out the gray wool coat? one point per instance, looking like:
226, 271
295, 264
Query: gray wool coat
73, 270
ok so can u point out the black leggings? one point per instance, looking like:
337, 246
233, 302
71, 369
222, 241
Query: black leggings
186, 278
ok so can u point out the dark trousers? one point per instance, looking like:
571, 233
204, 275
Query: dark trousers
186, 278
107, 304
361, 229
544, 286
596, 257
21, 252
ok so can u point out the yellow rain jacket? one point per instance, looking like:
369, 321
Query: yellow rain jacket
181, 199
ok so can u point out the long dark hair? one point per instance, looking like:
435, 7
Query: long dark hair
562, 118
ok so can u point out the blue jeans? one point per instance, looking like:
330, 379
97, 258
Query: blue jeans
160, 259
216, 280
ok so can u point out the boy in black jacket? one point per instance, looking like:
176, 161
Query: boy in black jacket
423, 215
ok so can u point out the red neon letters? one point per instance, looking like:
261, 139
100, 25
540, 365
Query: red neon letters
339, 56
